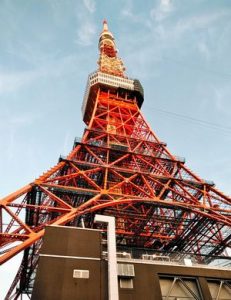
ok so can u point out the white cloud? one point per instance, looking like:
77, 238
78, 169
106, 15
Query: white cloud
162, 10
86, 33
204, 49
12, 81
90, 5
198, 22
222, 98
177, 28
127, 11
198, 26
165, 4
86, 29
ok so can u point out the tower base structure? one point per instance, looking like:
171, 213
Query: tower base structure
118, 169
73, 265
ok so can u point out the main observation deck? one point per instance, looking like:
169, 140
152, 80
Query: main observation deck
116, 84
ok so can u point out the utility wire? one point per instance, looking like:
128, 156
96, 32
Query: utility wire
194, 120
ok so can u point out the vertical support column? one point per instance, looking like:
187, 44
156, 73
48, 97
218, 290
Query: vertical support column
204, 288
1, 221
112, 262
94, 110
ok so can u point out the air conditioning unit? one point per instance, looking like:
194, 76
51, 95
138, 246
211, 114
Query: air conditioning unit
155, 257
125, 270
188, 262
147, 257
81, 274
123, 255
126, 283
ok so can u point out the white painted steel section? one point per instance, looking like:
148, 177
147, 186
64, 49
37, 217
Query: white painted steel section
111, 80
112, 261
68, 256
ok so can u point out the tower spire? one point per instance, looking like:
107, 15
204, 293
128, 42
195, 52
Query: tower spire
105, 26
108, 61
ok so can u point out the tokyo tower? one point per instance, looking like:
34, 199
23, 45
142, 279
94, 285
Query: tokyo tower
118, 168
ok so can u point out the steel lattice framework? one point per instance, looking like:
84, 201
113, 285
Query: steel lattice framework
118, 168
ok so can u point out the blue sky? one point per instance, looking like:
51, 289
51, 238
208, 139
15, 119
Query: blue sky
179, 50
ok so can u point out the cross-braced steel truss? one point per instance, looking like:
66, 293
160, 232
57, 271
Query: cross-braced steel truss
119, 168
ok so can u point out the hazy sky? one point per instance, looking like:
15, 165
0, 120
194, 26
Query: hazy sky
180, 50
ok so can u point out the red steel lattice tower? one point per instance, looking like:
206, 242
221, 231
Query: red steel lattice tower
119, 168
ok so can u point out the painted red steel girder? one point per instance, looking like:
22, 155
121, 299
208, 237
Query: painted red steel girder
120, 168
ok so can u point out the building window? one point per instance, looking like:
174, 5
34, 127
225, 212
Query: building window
180, 288
220, 289
126, 283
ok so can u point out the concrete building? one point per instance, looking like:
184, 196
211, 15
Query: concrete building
73, 265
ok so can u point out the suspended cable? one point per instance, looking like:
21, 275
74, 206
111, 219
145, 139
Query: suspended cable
194, 120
